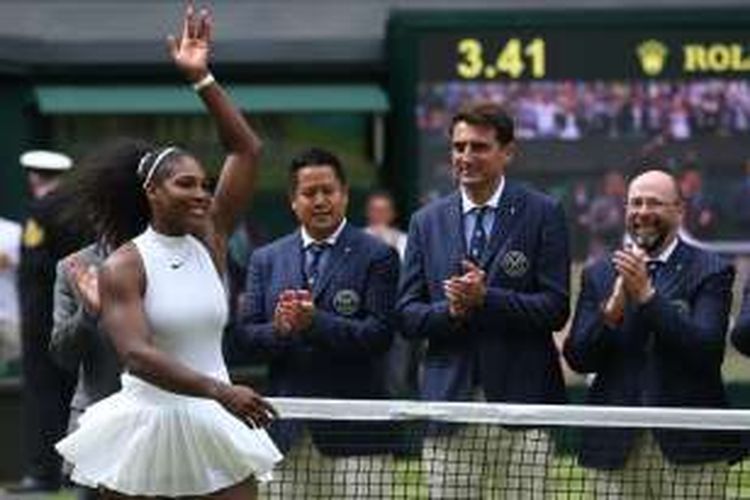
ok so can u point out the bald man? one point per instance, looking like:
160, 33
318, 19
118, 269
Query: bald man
650, 323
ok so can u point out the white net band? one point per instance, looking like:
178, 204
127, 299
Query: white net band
513, 414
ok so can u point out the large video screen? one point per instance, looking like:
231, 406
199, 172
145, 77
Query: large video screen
594, 103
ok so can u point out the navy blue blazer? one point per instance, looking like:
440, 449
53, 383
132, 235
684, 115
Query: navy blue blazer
741, 331
666, 352
342, 354
506, 347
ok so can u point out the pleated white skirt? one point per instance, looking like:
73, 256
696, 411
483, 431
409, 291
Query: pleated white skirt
143, 440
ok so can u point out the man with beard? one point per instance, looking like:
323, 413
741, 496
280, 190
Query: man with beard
650, 323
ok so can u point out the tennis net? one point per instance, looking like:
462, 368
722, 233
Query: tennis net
346, 449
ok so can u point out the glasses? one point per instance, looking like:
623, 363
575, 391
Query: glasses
648, 203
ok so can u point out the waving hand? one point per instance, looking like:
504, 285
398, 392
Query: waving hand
191, 51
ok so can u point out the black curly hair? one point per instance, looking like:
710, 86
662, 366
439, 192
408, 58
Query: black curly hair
106, 192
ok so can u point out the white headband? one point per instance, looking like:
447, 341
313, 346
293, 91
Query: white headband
155, 164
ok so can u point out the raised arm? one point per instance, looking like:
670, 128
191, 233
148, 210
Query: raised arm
122, 283
190, 54
591, 340
257, 337
418, 315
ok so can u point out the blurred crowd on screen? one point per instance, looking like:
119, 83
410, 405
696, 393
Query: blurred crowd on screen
573, 110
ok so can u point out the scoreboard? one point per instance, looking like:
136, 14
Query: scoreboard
594, 54
590, 91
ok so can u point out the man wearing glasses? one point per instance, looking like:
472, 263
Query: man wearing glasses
650, 324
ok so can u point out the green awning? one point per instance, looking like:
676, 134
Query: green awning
148, 99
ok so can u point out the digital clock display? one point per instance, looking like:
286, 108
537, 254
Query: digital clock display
589, 54
513, 59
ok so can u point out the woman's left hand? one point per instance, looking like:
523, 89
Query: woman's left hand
191, 51
85, 281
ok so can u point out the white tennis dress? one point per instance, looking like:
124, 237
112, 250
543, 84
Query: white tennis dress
144, 440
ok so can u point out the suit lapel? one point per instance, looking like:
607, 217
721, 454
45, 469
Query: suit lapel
341, 250
669, 278
292, 259
508, 215
454, 240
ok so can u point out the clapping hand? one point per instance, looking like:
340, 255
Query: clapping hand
630, 264
190, 52
85, 282
467, 291
614, 307
294, 312
282, 323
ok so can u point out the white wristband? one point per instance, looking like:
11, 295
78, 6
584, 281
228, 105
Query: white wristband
204, 82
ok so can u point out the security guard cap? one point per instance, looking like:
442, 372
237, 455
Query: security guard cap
50, 161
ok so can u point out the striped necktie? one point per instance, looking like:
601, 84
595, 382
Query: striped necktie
478, 236
312, 269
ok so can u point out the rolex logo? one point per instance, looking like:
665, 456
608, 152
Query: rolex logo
652, 55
